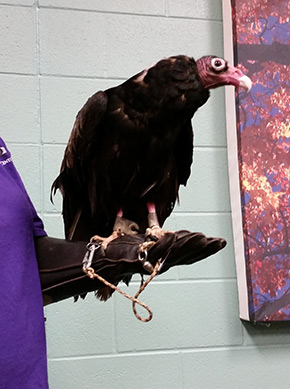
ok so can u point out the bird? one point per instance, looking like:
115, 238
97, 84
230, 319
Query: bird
131, 148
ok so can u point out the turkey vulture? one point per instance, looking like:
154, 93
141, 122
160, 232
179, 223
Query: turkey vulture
131, 146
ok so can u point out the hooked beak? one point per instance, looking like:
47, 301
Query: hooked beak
245, 83
231, 75
237, 78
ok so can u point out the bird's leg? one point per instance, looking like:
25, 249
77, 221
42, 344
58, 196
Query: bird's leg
154, 230
121, 227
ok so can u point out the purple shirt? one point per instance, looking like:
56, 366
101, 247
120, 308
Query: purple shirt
23, 361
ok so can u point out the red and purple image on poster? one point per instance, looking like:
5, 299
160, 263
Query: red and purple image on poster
259, 155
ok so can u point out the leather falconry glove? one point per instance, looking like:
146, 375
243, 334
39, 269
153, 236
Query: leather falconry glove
61, 262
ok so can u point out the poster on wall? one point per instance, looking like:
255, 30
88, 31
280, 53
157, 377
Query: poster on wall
257, 39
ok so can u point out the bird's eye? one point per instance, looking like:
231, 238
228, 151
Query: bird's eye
218, 64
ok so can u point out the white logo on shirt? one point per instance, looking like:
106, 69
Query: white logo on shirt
3, 150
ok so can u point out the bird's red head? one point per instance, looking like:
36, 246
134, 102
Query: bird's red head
214, 72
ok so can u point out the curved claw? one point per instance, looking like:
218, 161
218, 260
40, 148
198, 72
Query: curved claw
155, 233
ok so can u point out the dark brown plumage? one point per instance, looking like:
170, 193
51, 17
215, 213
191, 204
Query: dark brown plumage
132, 144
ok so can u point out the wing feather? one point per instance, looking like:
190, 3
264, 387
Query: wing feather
72, 177
184, 153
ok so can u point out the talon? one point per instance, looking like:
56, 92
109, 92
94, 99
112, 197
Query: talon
105, 241
155, 233
122, 227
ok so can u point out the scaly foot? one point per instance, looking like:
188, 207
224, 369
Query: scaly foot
155, 232
122, 227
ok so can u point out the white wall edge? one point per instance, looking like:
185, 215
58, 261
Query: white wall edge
235, 193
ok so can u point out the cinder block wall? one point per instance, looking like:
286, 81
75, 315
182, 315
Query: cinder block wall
54, 54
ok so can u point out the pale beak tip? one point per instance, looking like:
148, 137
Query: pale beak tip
245, 83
